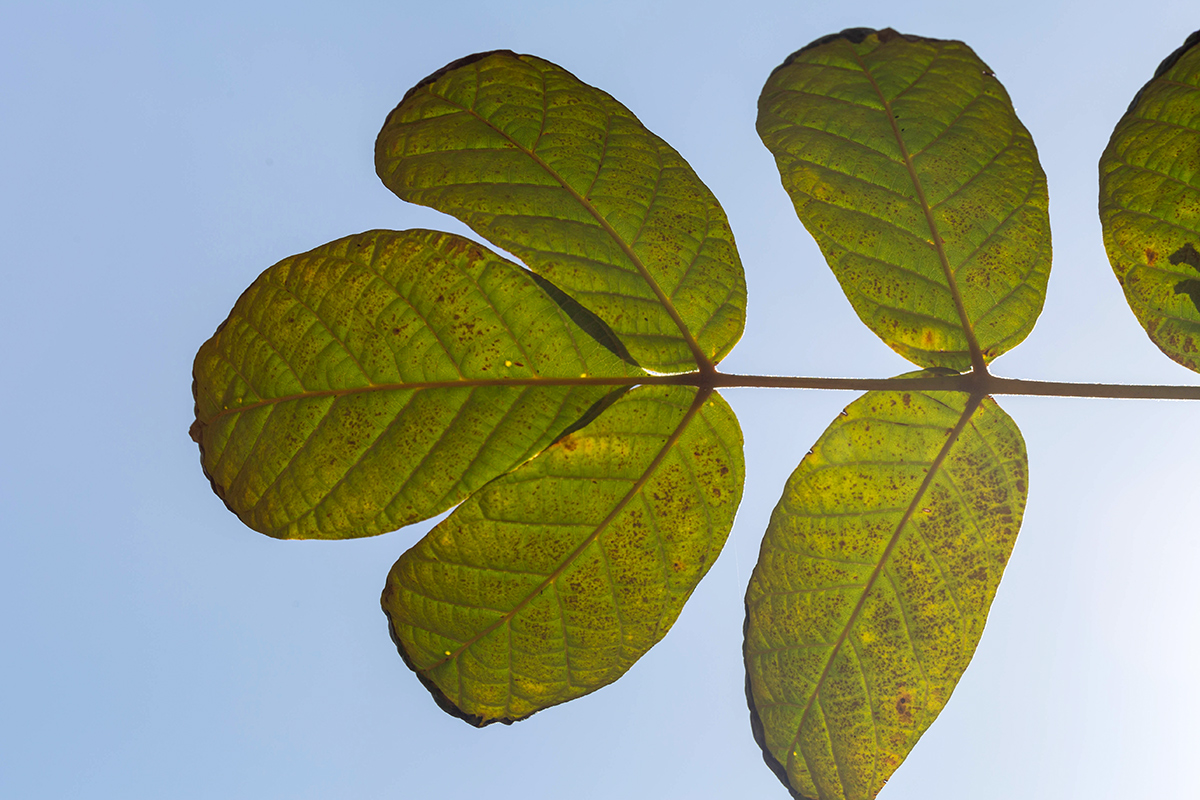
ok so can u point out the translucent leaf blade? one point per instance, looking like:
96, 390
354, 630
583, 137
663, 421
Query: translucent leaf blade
378, 379
560, 174
1150, 204
551, 581
874, 583
906, 162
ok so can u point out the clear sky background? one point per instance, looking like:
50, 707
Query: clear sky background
155, 157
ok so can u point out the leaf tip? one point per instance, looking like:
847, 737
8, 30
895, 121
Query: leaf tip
441, 698
443, 701
453, 65
1191, 41
856, 36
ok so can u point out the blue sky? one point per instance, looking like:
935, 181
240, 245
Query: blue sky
156, 157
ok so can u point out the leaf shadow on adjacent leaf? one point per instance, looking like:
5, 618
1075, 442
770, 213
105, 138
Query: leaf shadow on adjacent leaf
591, 324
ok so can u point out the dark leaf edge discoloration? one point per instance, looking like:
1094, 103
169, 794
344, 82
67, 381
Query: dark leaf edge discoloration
466, 61
453, 65
855, 36
758, 730
443, 701
1168, 62
196, 433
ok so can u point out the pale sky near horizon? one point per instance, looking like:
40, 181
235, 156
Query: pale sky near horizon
156, 157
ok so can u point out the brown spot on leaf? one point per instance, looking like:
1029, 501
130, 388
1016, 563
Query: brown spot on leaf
1151, 257
904, 708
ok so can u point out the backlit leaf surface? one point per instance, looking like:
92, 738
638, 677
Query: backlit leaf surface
1150, 204
874, 582
566, 178
906, 162
377, 380
552, 580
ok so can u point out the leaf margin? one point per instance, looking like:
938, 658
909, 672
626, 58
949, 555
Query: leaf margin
673, 444
702, 359
329, 256
876, 315
973, 403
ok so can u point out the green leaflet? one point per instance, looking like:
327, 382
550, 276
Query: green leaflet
377, 380
906, 162
874, 582
552, 580
386, 377
1150, 204
560, 174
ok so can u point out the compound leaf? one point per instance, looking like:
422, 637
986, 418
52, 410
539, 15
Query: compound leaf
552, 580
874, 582
1150, 204
565, 177
379, 379
906, 162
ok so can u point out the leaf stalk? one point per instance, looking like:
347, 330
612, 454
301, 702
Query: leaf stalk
980, 383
